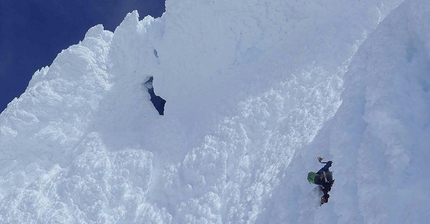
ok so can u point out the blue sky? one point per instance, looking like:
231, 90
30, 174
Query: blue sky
33, 32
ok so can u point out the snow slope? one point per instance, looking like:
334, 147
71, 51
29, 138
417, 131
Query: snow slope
254, 91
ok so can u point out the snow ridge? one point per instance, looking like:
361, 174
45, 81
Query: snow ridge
254, 91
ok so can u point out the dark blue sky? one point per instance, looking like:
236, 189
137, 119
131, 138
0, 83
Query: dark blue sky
33, 32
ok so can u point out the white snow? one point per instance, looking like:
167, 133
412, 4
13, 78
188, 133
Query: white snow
255, 90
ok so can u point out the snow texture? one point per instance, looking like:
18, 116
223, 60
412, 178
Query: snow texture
255, 90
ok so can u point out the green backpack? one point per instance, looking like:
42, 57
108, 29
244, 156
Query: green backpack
311, 177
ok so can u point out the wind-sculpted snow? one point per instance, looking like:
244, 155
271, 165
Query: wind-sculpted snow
82, 191
52, 116
379, 134
254, 91
396, 114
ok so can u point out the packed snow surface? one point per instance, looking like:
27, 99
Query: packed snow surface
255, 90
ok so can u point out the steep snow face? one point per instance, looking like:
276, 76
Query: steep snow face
393, 66
249, 85
379, 137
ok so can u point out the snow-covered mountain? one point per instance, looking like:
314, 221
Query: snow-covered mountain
255, 90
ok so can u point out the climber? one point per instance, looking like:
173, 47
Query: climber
323, 178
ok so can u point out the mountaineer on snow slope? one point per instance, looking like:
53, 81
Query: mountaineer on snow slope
323, 178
